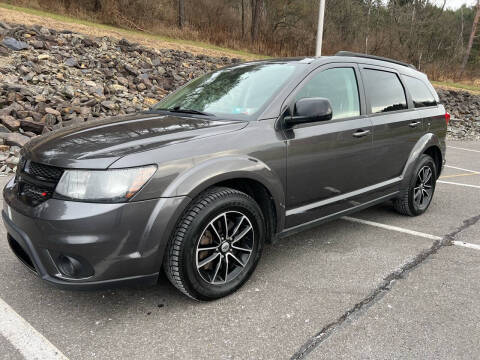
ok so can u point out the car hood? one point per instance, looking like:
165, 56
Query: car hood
97, 144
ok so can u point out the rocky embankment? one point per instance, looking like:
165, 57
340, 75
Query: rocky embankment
464, 108
51, 79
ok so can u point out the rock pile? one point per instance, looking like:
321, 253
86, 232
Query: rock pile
464, 108
50, 79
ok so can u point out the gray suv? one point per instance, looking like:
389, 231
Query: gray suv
242, 156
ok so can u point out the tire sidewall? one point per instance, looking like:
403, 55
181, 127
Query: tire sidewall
233, 202
425, 160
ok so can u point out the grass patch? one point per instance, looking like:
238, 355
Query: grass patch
67, 19
456, 85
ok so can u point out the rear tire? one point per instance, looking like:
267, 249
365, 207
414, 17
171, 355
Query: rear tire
416, 199
223, 229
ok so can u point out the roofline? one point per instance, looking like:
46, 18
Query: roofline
374, 57
312, 61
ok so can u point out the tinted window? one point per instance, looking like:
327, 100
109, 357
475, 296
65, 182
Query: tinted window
384, 90
421, 95
339, 85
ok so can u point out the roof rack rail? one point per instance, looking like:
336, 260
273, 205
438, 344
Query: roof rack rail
353, 54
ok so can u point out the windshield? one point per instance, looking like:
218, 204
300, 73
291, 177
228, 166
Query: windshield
235, 92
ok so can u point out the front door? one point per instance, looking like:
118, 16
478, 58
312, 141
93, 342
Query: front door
326, 161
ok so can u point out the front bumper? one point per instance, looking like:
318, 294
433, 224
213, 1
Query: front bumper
116, 243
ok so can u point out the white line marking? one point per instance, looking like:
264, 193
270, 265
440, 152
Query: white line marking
467, 245
459, 184
392, 228
459, 168
410, 232
28, 341
459, 148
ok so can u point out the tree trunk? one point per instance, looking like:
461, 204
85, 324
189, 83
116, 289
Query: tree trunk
256, 12
243, 19
181, 13
97, 6
368, 26
472, 37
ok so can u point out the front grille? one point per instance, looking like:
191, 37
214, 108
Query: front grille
43, 172
36, 182
35, 194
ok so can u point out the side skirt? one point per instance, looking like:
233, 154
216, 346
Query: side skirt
311, 224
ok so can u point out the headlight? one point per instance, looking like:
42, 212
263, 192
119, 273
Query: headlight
115, 185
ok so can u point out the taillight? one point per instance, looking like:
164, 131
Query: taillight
447, 117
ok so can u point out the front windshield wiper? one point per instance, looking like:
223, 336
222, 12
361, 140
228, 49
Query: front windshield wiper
186, 111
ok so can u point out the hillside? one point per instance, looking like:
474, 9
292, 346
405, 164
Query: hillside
30, 17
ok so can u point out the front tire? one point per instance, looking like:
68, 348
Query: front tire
216, 245
416, 199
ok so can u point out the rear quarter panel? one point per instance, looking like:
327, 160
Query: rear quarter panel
435, 134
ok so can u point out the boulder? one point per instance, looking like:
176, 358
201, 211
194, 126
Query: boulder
14, 44
10, 122
30, 125
16, 139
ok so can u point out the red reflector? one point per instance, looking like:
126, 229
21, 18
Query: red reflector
44, 193
447, 117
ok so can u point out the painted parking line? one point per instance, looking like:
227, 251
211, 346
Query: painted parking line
458, 175
467, 245
463, 169
459, 148
392, 228
408, 231
28, 341
459, 184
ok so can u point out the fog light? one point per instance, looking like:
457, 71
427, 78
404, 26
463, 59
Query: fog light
72, 267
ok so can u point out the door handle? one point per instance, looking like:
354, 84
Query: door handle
361, 133
414, 124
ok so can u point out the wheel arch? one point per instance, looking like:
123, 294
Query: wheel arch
436, 154
245, 174
428, 144
261, 195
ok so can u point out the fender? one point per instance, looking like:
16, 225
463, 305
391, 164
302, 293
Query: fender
213, 171
422, 144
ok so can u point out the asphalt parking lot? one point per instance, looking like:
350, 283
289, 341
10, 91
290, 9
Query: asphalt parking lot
378, 285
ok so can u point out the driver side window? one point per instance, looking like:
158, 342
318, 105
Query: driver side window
339, 85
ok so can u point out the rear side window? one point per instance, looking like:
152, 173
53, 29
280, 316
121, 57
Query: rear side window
339, 85
384, 90
421, 95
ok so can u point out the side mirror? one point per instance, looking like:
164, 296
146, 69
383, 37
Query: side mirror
310, 110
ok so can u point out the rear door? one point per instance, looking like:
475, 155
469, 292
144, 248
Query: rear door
396, 125
425, 102
326, 160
